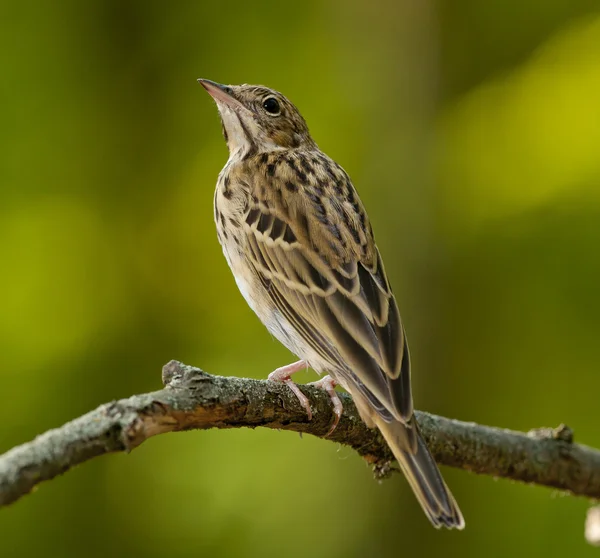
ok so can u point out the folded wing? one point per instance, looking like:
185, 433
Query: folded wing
327, 278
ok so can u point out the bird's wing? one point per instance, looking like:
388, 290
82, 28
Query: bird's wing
313, 249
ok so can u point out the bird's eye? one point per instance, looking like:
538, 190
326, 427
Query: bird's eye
271, 105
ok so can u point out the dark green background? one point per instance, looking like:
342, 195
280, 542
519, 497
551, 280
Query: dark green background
471, 130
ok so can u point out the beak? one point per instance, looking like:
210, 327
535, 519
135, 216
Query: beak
222, 94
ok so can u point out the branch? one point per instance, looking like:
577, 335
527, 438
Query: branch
193, 399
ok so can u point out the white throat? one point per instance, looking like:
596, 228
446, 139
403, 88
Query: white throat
243, 134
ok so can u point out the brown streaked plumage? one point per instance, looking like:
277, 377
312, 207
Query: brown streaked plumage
302, 251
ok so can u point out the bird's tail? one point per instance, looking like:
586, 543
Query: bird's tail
422, 473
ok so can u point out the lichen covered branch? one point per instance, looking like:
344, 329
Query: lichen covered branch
192, 399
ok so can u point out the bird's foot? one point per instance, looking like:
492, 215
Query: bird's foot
328, 384
283, 375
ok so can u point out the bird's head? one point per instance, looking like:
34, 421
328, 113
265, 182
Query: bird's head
257, 119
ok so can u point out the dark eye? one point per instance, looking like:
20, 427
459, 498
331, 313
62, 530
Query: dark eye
271, 105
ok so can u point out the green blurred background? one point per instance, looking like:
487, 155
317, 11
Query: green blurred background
472, 131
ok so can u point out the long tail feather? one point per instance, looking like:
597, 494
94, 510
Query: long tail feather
422, 473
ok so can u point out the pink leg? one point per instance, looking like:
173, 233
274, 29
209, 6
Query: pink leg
283, 375
328, 384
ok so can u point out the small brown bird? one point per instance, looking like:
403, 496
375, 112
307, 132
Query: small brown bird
302, 252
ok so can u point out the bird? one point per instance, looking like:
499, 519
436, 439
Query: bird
301, 248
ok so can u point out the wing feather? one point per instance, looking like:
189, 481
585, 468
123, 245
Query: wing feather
337, 300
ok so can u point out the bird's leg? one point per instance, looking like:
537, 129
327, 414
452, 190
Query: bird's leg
328, 384
283, 375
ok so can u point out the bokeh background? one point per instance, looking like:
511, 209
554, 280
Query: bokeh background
472, 131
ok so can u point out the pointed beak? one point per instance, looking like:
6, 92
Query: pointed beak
222, 94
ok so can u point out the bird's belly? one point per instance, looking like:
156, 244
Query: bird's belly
245, 280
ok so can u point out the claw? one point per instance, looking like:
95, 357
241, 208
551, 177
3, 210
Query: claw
283, 375
328, 384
